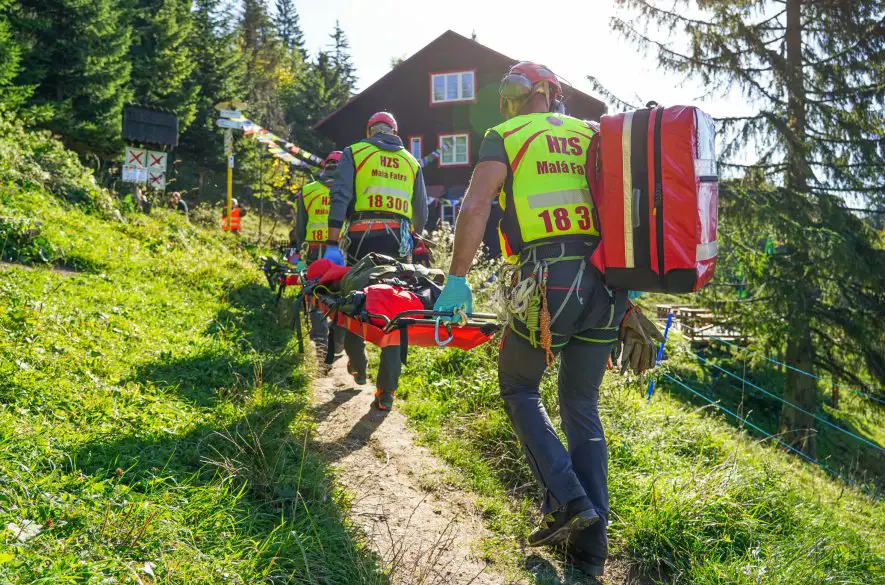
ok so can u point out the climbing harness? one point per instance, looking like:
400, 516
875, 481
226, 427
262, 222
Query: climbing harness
525, 299
403, 236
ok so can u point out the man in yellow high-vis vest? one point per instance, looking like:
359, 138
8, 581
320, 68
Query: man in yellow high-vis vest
380, 193
535, 162
312, 204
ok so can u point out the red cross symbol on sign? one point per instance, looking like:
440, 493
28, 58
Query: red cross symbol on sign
156, 161
157, 180
135, 157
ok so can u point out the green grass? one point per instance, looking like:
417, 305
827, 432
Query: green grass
152, 410
837, 450
693, 499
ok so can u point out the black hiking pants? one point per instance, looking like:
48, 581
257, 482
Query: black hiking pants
583, 335
390, 367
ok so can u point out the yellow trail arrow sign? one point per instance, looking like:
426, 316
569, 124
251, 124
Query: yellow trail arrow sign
231, 105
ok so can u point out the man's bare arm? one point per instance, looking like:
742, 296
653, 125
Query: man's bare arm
488, 177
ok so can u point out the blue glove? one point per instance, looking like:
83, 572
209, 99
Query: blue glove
334, 254
456, 294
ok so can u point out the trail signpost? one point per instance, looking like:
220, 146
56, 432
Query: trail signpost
234, 124
227, 110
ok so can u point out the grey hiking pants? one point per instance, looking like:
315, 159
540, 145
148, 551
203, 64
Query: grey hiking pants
391, 358
582, 337
319, 332
319, 327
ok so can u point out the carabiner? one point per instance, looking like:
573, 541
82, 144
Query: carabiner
436, 334
461, 313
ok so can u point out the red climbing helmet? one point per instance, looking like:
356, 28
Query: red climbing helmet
332, 159
526, 78
382, 118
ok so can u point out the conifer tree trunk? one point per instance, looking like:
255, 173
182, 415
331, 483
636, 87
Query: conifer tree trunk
797, 427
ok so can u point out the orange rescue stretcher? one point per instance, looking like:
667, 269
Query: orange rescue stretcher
414, 327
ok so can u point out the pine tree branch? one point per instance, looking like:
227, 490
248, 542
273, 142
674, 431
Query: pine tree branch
608, 96
879, 189
728, 119
812, 133
676, 56
880, 24
753, 166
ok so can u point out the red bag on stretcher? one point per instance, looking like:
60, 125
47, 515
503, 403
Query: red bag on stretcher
655, 186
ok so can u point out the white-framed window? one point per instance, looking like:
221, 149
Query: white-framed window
458, 86
416, 146
455, 150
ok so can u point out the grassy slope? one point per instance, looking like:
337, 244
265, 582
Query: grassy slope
839, 451
152, 411
693, 500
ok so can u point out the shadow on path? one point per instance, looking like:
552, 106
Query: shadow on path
276, 493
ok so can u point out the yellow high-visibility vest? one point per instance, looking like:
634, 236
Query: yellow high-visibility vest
316, 203
548, 197
384, 180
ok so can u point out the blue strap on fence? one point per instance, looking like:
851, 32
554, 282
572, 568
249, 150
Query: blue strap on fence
797, 370
770, 436
799, 408
651, 383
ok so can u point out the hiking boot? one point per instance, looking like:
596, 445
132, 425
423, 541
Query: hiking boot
384, 399
586, 563
561, 523
358, 377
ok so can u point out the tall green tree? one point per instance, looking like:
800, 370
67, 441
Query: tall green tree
11, 95
814, 72
340, 57
287, 23
266, 64
76, 54
326, 85
219, 76
163, 59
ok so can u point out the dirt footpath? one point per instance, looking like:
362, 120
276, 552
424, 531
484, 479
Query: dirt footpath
420, 527
424, 528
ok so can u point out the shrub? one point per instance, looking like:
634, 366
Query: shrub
21, 241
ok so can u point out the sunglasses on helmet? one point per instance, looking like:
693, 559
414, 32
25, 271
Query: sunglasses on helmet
517, 85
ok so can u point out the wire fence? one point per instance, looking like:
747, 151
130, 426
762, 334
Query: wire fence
772, 437
798, 370
867, 395
791, 404
781, 399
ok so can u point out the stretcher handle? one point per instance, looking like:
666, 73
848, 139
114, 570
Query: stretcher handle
436, 315
436, 333
425, 313
408, 321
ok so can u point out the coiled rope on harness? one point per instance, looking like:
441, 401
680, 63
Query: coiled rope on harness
544, 320
525, 299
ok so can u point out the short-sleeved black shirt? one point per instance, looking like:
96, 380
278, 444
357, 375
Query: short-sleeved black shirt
492, 148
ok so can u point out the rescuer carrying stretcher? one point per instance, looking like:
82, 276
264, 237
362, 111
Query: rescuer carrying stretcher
311, 232
379, 191
555, 302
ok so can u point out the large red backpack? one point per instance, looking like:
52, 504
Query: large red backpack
653, 176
